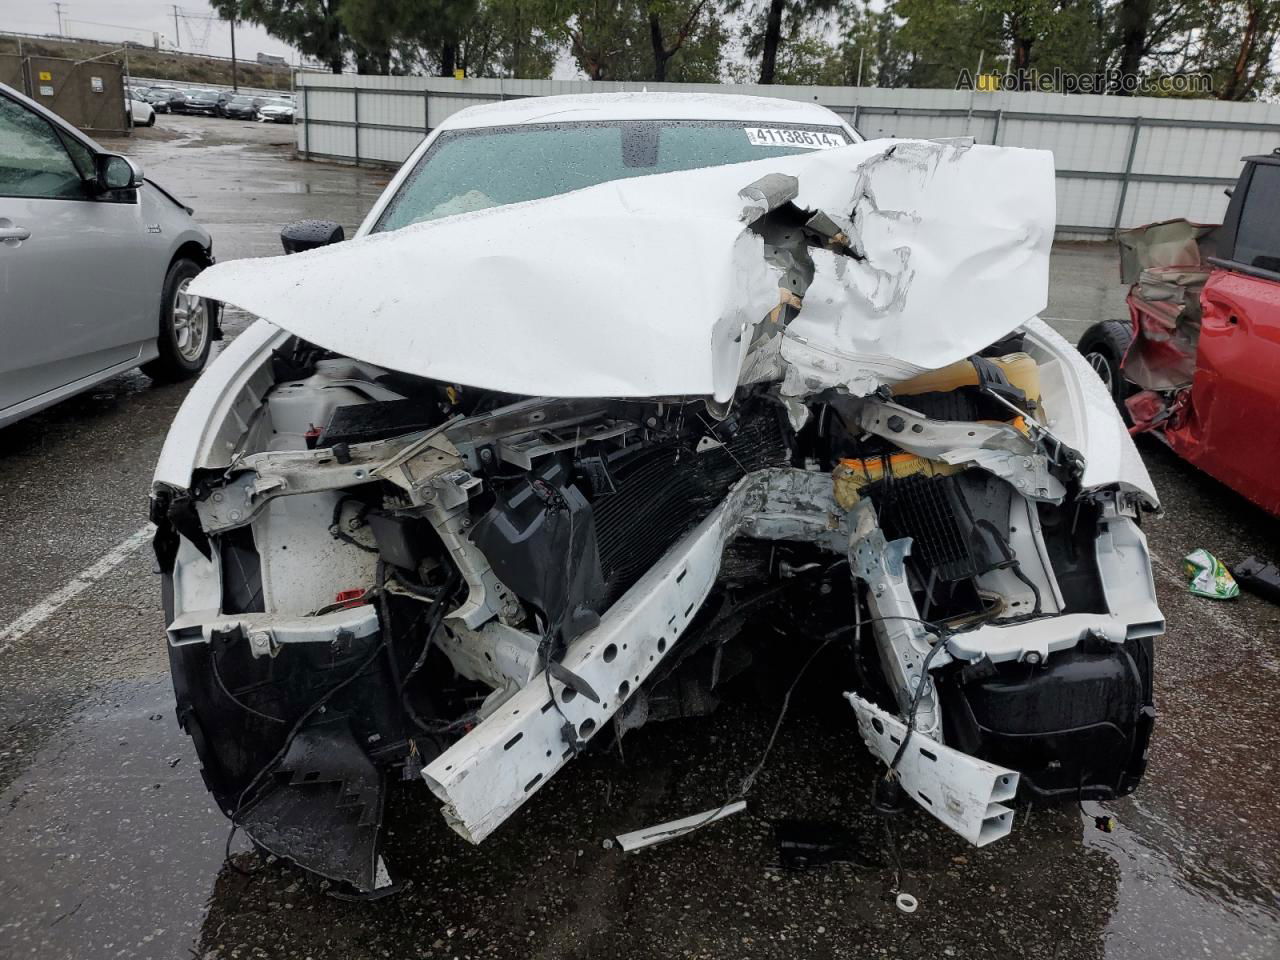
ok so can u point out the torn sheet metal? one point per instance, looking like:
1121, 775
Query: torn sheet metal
1082, 415
487, 775
1167, 264
660, 833
655, 285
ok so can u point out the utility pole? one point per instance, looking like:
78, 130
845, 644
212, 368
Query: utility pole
235, 88
176, 39
58, 8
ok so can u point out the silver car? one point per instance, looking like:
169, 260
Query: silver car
95, 263
276, 110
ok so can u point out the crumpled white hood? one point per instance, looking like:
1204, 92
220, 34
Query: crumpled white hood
654, 285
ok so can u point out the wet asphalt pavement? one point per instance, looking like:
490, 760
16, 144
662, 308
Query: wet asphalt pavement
110, 847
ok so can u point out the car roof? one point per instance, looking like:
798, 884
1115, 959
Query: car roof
1273, 157
642, 106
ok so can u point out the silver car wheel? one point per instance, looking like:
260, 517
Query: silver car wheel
1101, 367
190, 323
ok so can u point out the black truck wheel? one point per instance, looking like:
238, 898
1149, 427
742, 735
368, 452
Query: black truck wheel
1104, 346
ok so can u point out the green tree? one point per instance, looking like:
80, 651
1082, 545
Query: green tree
425, 34
663, 41
771, 24
1237, 47
521, 41
937, 39
859, 54
371, 34
483, 38
312, 26
1232, 41
677, 40
605, 38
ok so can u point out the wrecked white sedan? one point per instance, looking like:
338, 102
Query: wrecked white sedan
598, 378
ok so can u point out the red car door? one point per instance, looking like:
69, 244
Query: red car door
1232, 430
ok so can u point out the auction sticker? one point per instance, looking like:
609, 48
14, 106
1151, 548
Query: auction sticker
783, 137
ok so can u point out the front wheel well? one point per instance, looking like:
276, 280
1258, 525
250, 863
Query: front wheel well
192, 250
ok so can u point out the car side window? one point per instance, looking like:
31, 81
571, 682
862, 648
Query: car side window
1258, 236
81, 156
34, 161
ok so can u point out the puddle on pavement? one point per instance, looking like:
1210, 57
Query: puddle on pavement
1174, 900
106, 840
103, 842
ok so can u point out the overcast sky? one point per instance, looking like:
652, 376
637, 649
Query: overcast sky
198, 29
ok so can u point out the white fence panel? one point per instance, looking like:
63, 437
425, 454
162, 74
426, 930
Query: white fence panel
1121, 161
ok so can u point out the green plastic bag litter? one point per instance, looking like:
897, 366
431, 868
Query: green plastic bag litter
1209, 578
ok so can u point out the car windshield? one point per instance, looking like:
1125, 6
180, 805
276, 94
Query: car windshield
474, 169
242, 101
276, 103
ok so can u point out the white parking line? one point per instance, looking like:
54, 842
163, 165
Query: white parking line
42, 611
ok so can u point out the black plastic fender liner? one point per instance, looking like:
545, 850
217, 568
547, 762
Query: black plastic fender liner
1077, 726
234, 743
324, 806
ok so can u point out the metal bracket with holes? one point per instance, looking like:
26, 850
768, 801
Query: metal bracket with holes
483, 778
264, 476
967, 794
996, 448
903, 641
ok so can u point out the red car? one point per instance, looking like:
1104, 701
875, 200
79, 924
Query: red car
1198, 362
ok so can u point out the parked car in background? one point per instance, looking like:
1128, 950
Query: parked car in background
1197, 364
276, 110
175, 98
95, 262
141, 113
198, 102
224, 97
163, 98
242, 108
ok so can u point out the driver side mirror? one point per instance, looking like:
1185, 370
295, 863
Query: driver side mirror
308, 234
117, 173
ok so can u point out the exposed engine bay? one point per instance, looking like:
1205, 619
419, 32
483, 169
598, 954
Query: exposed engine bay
374, 574
480, 596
